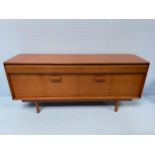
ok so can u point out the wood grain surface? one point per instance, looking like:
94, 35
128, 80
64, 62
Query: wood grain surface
39, 77
76, 59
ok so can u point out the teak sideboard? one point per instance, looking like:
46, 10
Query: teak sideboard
76, 77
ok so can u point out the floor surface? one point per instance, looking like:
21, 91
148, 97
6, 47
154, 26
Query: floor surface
133, 117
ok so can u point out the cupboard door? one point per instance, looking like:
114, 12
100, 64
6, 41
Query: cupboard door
43, 86
60, 85
27, 85
127, 85
94, 85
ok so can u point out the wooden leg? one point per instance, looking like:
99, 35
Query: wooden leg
116, 105
37, 106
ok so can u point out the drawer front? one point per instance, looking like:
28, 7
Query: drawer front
94, 85
129, 85
76, 69
33, 86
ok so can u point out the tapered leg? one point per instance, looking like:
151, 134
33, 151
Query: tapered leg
37, 106
116, 105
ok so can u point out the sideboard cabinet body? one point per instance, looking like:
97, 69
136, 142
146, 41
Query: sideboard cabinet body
38, 77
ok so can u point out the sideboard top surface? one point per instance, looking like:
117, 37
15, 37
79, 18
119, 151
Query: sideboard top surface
75, 59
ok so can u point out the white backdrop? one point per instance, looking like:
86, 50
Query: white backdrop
78, 36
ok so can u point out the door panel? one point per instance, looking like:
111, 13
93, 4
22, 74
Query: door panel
60, 85
94, 85
127, 85
26, 85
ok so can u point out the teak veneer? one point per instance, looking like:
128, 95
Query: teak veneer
72, 77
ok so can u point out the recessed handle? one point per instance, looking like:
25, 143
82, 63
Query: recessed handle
56, 79
99, 79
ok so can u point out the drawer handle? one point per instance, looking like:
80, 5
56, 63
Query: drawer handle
99, 80
56, 79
